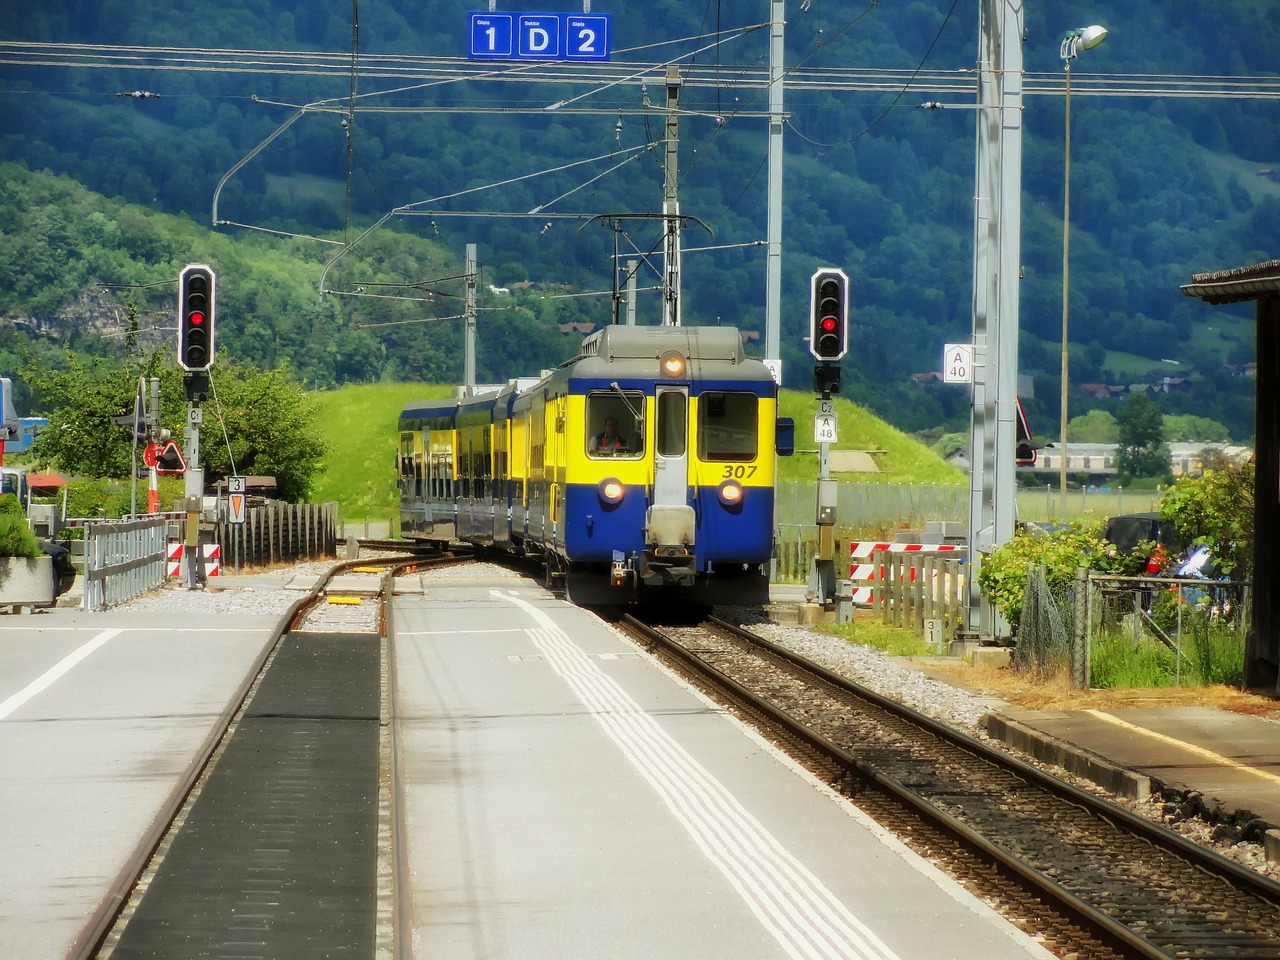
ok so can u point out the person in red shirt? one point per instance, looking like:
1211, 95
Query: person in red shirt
609, 440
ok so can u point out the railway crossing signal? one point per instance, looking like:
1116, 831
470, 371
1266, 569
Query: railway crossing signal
196, 288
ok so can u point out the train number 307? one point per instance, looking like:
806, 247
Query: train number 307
740, 472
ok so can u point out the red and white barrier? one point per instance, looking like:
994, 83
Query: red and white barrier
867, 573
212, 559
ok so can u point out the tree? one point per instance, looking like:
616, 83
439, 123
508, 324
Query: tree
270, 429
1142, 451
256, 422
1216, 510
1096, 426
1189, 428
82, 437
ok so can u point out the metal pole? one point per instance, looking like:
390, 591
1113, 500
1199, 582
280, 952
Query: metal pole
153, 434
997, 264
671, 205
138, 417
194, 488
1066, 290
631, 268
773, 235
469, 342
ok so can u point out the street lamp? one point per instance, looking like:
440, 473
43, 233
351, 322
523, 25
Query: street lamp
1073, 42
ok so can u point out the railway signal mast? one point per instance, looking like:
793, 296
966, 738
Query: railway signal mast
828, 342
197, 311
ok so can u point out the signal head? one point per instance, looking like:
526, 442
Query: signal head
829, 314
196, 287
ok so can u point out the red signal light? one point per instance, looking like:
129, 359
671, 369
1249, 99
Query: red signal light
828, 314
196, 315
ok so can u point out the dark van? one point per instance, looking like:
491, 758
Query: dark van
1146, 535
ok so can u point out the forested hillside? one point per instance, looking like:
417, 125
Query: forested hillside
1164, 184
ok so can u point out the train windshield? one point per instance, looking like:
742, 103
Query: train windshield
727, 426
615, 424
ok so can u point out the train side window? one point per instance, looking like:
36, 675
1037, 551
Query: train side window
615, 425
727, 426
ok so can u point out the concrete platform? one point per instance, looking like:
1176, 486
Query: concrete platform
1226, 763
566, 797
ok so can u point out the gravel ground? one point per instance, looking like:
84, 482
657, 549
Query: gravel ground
266, 594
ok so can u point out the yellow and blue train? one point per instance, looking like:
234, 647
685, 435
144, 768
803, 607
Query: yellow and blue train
640, 470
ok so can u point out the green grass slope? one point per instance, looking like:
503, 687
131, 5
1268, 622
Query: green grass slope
358, 424
900, 458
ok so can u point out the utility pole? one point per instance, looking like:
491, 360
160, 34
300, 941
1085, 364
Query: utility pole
469, 310
773, 236
997, 264
671, 205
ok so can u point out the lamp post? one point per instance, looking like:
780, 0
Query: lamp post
1073, 42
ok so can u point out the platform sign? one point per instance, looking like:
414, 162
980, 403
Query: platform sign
538, 36
957, 363
586, 37
492, 36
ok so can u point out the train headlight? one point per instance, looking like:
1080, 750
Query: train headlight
611, 490
730, 493
672, 364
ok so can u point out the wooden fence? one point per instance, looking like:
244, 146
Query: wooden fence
277, 532
912, 588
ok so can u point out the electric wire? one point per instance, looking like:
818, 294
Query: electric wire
452, 70
894, 102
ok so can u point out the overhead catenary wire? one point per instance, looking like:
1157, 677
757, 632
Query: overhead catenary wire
451, 70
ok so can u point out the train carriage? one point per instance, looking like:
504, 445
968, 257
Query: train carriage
641, 469
425, 468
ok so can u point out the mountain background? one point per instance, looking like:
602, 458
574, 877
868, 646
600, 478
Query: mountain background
105, 195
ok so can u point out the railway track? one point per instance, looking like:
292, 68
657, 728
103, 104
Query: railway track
295, 782
1085, 875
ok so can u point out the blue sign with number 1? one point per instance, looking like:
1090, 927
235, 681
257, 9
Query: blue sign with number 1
539, 36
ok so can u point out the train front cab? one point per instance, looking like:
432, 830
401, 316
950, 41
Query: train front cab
685, 509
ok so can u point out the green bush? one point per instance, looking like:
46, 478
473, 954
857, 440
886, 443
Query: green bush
1003, 576
16, 538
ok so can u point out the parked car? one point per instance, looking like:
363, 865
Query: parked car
1146, 536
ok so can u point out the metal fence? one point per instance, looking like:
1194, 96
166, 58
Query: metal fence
1106, 630
123, 560
1196, 627
276, 532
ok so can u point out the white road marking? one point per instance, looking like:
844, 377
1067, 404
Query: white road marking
806, 919
54, 673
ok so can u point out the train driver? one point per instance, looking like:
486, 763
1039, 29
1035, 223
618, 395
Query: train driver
609, 440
